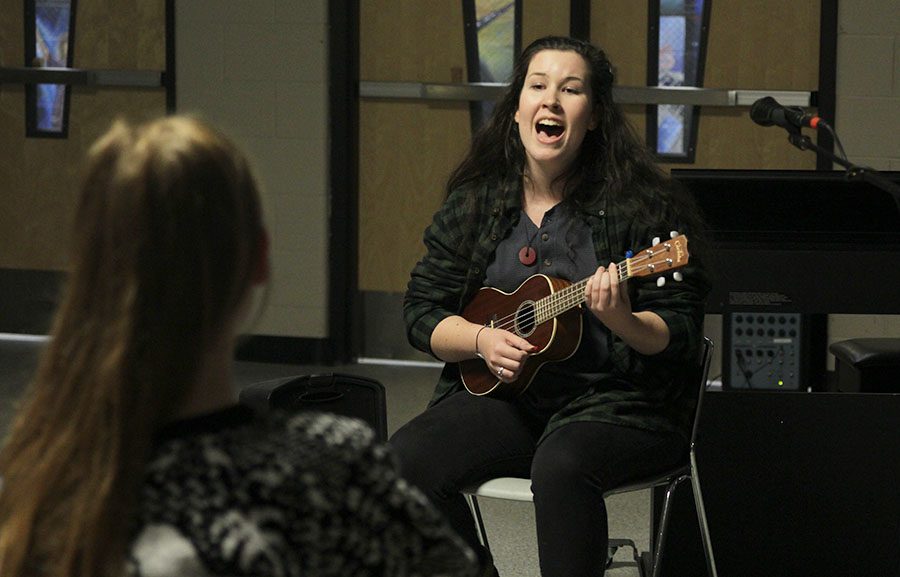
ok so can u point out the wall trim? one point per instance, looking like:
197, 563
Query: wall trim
343, 297
28, 300
169, 73
579, 20
826, 103
286, 350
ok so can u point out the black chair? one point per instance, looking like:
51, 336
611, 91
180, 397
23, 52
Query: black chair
518, 489
348, 395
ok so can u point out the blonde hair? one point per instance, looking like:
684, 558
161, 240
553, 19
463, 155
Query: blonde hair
166, 244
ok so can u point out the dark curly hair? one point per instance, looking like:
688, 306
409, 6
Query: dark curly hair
612, 161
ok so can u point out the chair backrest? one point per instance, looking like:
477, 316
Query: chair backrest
702, 375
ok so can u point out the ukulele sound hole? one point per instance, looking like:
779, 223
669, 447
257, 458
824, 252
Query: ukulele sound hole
525, 319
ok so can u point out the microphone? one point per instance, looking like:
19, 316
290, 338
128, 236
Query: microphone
766, 112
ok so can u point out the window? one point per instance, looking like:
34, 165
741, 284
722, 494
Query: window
678, 36
493, 38
49, 26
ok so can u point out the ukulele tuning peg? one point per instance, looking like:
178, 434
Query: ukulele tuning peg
673, 233
678, 276
661, 281
655, 241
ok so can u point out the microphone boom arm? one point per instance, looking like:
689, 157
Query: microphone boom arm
854, 172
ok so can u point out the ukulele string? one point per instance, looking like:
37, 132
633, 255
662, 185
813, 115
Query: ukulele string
566, 298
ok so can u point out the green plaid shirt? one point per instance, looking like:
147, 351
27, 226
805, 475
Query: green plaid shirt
648, 392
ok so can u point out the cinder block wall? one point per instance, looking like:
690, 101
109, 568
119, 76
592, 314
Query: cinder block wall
868, 120
259, 70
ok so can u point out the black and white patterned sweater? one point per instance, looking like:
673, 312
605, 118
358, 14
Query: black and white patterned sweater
310, 494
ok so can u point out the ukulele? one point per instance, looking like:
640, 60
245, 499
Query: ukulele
547, 311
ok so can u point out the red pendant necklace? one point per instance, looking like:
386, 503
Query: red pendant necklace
527, 254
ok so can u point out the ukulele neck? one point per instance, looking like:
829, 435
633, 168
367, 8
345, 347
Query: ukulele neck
557, 303
659, 258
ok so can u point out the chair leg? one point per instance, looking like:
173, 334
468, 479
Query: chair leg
479, 521
614, 546
701, 518
664, 524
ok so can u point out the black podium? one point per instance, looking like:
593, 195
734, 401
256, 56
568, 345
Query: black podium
794, 484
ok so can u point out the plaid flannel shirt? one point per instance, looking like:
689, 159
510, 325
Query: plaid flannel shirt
644, 391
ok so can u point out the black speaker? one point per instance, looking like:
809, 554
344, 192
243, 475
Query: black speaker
349, 395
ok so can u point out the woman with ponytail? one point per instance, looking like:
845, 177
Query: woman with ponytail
129, 454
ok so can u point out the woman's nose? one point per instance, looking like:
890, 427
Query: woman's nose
551, 100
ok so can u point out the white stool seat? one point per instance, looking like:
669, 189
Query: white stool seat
509, 488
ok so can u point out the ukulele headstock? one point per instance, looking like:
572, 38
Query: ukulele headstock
660, 258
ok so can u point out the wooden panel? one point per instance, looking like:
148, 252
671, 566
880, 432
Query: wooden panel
126, 34
619, 27
748, 44
768, 44
407, 149
729, 139
542, 18
38, 177
411, 41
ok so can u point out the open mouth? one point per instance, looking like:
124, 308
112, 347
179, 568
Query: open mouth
550, 128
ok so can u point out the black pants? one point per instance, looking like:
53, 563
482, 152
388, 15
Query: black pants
466, 439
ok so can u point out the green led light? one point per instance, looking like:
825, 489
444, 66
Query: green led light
780, 383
